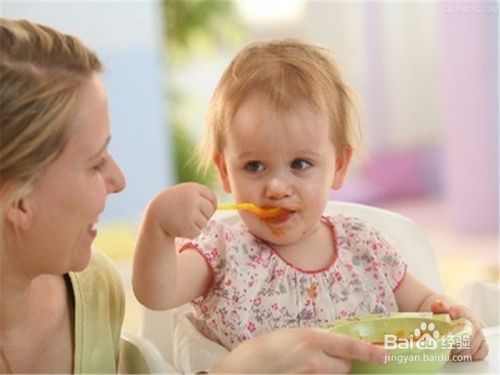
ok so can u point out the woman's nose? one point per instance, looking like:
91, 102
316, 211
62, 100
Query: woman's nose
116, 180
278, 188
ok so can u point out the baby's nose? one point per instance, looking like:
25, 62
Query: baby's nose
278, 189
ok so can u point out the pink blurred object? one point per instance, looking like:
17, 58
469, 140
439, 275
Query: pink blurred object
469, 76
393, 175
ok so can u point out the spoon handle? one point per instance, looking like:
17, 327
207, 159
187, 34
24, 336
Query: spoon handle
235, 206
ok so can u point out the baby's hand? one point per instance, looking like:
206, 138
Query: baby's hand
184, 210
478, 349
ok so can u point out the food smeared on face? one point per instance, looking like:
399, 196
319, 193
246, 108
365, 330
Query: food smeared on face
270, 214
279, 216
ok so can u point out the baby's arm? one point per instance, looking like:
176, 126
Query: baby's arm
412, 295
161, 278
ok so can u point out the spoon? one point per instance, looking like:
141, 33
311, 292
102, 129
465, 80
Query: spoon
262, 212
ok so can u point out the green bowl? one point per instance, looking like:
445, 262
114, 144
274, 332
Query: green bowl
415, 342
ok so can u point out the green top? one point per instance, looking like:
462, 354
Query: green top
99, 308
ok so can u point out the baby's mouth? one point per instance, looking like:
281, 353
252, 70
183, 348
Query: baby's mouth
284, 215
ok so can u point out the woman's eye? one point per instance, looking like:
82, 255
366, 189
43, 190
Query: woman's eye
300, 164
99, 166
254, 166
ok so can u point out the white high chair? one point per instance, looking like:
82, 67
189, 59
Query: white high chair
139, 356
172, 331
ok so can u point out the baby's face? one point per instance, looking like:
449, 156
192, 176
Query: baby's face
284, 159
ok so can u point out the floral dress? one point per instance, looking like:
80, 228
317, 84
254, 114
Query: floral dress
254, 290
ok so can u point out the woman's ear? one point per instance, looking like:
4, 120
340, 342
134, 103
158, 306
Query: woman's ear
342, 162
18, 213
221, 167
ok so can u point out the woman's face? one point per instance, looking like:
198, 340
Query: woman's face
280, 159
66, 200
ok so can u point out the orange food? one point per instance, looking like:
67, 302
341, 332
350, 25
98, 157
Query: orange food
266, 213
274, 213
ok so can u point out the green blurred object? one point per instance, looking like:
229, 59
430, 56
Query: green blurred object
198, 25
194, 28
415, 342
187, 170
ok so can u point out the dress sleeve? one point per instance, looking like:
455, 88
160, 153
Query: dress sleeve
378, 253
210, 244
388, 257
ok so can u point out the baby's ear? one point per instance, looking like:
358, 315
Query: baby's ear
220, 162
342, 162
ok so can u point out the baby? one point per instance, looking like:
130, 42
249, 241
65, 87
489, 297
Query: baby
281, 131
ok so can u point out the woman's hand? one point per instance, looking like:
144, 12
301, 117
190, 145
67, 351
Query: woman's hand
478, 349
299, 350
184, 210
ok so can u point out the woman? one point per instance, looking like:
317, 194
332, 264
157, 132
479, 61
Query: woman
62, 303
55, 177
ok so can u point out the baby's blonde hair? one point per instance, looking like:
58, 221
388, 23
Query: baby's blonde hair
41, 73
289, 72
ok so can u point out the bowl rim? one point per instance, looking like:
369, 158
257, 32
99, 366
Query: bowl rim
460, 327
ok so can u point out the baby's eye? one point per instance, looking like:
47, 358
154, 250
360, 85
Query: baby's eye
300, 164
254, 166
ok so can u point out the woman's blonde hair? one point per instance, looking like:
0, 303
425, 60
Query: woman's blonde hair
41, 72
290, 73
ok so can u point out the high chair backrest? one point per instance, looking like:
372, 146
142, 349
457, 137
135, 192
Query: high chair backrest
159, 327
139, 356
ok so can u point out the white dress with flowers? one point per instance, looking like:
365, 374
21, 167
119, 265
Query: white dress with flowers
254, 290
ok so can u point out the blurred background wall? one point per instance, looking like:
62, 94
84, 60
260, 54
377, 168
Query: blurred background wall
427, 73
